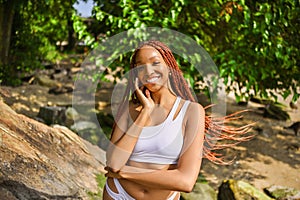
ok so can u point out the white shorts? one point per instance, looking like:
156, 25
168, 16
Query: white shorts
123, 195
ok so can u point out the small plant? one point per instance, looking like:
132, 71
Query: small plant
100, 178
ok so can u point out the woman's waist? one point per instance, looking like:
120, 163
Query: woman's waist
138, 191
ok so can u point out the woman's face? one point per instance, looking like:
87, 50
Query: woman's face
152, 70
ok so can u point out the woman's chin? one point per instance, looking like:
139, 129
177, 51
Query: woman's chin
154, 88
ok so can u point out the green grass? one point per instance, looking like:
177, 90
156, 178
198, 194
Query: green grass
101, 179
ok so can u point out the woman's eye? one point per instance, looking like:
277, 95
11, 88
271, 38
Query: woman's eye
156, 63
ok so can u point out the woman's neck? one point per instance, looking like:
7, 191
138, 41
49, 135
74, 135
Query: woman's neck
163, 97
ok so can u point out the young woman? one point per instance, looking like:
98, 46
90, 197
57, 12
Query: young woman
157, 141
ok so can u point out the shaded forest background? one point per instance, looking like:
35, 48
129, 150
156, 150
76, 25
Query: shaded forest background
253, 43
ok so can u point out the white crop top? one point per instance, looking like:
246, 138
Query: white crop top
161, 144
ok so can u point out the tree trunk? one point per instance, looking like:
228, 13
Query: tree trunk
6, 19
71, 38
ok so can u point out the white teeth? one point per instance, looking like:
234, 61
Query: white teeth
151, 80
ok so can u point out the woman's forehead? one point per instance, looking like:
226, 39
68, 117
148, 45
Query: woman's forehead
147, 52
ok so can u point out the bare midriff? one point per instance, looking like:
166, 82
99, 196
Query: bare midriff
138, 191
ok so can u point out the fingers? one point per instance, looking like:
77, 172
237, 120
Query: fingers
136, 83
147, 93
138, 90
110, 173
107, 171
144, 97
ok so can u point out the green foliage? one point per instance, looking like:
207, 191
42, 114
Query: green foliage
82, 31
259, 51
116, 17
254, 43
101, 179
36, 28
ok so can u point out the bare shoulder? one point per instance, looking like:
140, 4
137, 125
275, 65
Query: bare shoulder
195, 107
194, 111
194, 121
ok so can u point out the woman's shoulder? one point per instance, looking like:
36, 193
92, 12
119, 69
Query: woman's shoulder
195, 105
195, 109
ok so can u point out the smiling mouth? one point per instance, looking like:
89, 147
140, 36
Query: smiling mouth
152, 79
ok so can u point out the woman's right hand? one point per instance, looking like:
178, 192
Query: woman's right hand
145, 99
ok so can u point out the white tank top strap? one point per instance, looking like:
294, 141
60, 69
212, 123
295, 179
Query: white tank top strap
182, 110
173, 110
185, 106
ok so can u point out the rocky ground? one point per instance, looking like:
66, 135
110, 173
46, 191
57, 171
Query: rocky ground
272, 157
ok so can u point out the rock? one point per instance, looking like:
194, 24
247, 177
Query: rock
200, 191
293, 105
83, 125
91, 132
274, 111
46, 81
282, 193
42, 162
52, 114
295, 127
240, 190
59, 74
271, 109
58, 115
72, 114
60, 89
105, 119
261, 101
6, 195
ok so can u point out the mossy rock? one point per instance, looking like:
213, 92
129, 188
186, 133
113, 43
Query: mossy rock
200, 191
281, 192
240, 190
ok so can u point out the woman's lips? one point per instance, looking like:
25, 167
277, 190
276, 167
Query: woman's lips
152, 79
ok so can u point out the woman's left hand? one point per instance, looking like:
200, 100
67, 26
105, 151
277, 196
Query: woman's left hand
112, 174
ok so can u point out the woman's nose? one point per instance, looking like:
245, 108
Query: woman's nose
148, 69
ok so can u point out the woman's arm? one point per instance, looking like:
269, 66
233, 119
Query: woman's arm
124, 139
185, 175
